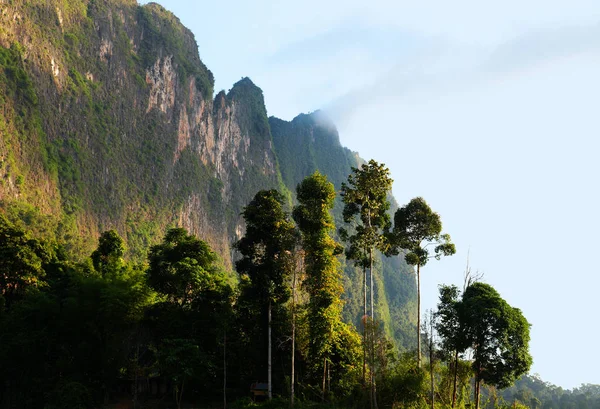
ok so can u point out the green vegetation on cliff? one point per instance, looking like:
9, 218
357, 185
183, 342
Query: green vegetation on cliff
109, 122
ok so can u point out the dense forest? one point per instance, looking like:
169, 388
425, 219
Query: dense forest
180, 329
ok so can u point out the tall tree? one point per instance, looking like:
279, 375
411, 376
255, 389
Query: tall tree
189, 324
449, 327
323, 275
266, 250
498, 335
416, 227
366, 206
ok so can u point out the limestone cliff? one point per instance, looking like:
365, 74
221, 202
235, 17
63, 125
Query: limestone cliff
129, 136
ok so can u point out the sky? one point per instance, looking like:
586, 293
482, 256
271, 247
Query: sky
488, 110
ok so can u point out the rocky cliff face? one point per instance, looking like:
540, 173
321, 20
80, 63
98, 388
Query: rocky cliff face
107, 120
128, 131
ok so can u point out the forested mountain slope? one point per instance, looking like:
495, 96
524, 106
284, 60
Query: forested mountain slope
108, 119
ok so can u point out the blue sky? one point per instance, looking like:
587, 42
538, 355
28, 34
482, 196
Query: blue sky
488, 111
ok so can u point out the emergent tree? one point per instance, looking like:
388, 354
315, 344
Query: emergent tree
416, 227
323, 275
366, 206
266, 250
498, 335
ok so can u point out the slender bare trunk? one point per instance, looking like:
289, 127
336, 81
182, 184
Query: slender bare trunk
373, 386
418, 315
372, 288
135, 378
293, 336
179, 396
293, 364
455, 378
365, 315
269, 385
324, 378
374, 394
224, 369
364, 320
371, 401
477, 386
431, 366
329, 378
477, 381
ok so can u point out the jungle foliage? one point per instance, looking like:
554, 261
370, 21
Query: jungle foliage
180, 328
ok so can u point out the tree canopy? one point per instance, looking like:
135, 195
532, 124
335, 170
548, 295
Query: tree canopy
265, 248
180, 266
498, 335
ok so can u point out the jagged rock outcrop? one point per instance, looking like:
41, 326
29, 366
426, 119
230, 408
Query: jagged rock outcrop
130, 108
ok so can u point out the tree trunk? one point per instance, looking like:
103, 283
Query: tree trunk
477, 385
179, 394
225, 369
364, 320
293, 336
373, 386
418, 315
455, 378
324, 377
329, 378
136, 373
431, 366
374, 394
372, 288
365, 315
269, 385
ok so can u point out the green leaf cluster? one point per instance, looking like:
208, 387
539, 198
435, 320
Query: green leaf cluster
366, 207
416, 227
323, 284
